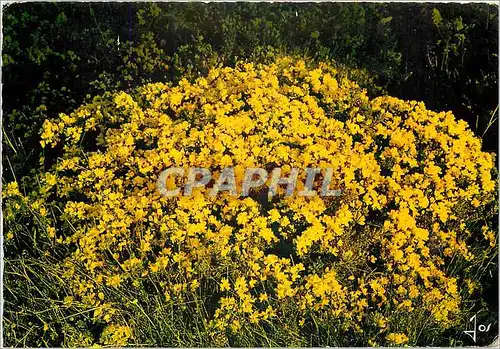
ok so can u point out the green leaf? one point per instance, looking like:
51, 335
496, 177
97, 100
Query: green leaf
436, 17
385, 20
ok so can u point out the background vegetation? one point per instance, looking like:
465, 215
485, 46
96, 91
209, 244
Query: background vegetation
57, 56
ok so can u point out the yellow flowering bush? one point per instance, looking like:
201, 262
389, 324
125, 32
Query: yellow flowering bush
372, 266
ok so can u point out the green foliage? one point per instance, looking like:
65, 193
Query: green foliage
451, 62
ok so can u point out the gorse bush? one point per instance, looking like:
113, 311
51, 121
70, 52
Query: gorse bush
55, 56
394, 260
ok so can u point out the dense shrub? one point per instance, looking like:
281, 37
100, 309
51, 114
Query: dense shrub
58, 56
393, 260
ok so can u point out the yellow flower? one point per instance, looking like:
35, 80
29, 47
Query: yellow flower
224, 285
397, 338
114, 280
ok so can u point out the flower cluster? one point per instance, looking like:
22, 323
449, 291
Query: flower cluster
411, 179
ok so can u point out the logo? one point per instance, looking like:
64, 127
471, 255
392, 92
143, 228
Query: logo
198, 177
482, 328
